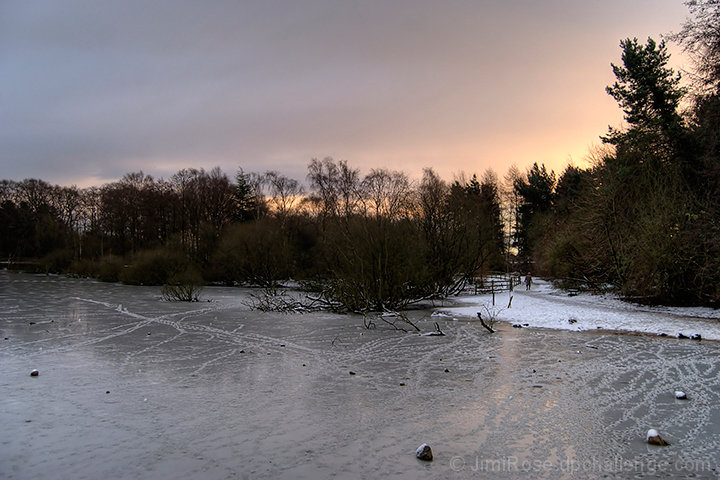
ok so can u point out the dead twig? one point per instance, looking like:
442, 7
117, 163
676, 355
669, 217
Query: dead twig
482, 322
274, 300
436, 333
368, 324
397, 317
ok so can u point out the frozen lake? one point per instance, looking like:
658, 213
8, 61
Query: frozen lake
131, 386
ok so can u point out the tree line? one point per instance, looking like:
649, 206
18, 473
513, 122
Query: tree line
643, 219
371, 242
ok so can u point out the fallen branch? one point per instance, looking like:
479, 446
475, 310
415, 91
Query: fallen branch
398, 317
368, 324
273, 300
436, 333
482, 322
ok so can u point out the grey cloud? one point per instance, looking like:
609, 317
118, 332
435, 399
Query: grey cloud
90, 86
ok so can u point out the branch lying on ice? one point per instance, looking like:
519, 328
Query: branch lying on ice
491, 314
392, 318
274, 301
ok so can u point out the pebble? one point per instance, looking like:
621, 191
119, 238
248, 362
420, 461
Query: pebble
34, 373
654, 438
424, 452
680, 395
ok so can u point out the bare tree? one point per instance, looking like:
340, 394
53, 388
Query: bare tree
700, 39
285, 193
386, 194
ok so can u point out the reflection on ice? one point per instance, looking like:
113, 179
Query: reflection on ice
213, 390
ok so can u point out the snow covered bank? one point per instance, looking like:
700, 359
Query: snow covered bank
547, 307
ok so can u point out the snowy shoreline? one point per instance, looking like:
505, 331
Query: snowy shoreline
547, 307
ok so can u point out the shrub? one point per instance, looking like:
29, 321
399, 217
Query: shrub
108, 268
258, 253
83, 268
185, 287
56, 261
154, 267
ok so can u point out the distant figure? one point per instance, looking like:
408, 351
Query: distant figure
528, 281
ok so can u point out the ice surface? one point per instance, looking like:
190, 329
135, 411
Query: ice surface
214, 390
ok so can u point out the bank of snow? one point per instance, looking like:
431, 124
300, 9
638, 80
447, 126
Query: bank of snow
546, 307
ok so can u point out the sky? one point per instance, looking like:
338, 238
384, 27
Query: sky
91, 90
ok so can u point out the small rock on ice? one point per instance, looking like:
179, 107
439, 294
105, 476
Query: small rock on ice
654, 438
680, 395
424, 452
34, 373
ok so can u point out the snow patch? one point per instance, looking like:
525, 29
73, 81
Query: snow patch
547, 307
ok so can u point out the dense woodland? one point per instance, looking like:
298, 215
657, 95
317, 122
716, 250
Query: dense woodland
642, 219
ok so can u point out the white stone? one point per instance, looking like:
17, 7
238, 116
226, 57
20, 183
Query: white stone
654, 438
